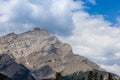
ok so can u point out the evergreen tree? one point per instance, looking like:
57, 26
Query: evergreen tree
101, 77
110, 76
96, 76
74, 76
90, 75
83, 78
58, 76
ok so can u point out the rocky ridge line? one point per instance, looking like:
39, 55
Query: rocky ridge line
44, 54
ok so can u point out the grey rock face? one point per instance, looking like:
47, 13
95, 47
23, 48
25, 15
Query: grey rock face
38, 50
12, 70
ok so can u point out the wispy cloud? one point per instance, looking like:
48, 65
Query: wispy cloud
118, 21
92, 2
112, 68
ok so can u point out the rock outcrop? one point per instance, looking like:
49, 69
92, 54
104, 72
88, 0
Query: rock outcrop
44, 54
11, 70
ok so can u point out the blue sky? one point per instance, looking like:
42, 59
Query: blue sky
110, 9
91, 27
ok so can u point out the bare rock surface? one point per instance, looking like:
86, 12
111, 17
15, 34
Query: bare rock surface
38, 50
12, 70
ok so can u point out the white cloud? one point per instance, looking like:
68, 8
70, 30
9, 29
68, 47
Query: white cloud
113, 68
38, 13
95, 38
117, 55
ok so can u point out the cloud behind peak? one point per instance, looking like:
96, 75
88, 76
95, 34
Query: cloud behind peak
54, 15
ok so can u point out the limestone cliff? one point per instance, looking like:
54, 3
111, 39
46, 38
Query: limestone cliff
44, 54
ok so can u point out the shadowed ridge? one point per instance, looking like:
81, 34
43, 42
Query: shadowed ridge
11, 70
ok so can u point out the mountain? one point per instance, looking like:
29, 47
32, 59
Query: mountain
44, 55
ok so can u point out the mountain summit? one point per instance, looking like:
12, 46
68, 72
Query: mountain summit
43, 54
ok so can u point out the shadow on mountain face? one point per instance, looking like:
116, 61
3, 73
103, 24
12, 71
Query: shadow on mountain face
11, 70
3, 77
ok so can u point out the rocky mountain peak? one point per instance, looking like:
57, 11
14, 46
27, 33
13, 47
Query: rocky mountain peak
39, 51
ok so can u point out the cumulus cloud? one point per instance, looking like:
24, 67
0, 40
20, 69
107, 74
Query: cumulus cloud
95, 38
19, 15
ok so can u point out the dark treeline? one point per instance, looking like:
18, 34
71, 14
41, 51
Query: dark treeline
91, 75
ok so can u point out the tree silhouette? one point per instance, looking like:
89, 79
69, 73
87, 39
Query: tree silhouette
96, 76
110, 76
58, 76
101, 77
90, 75
83, 78
74, 76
